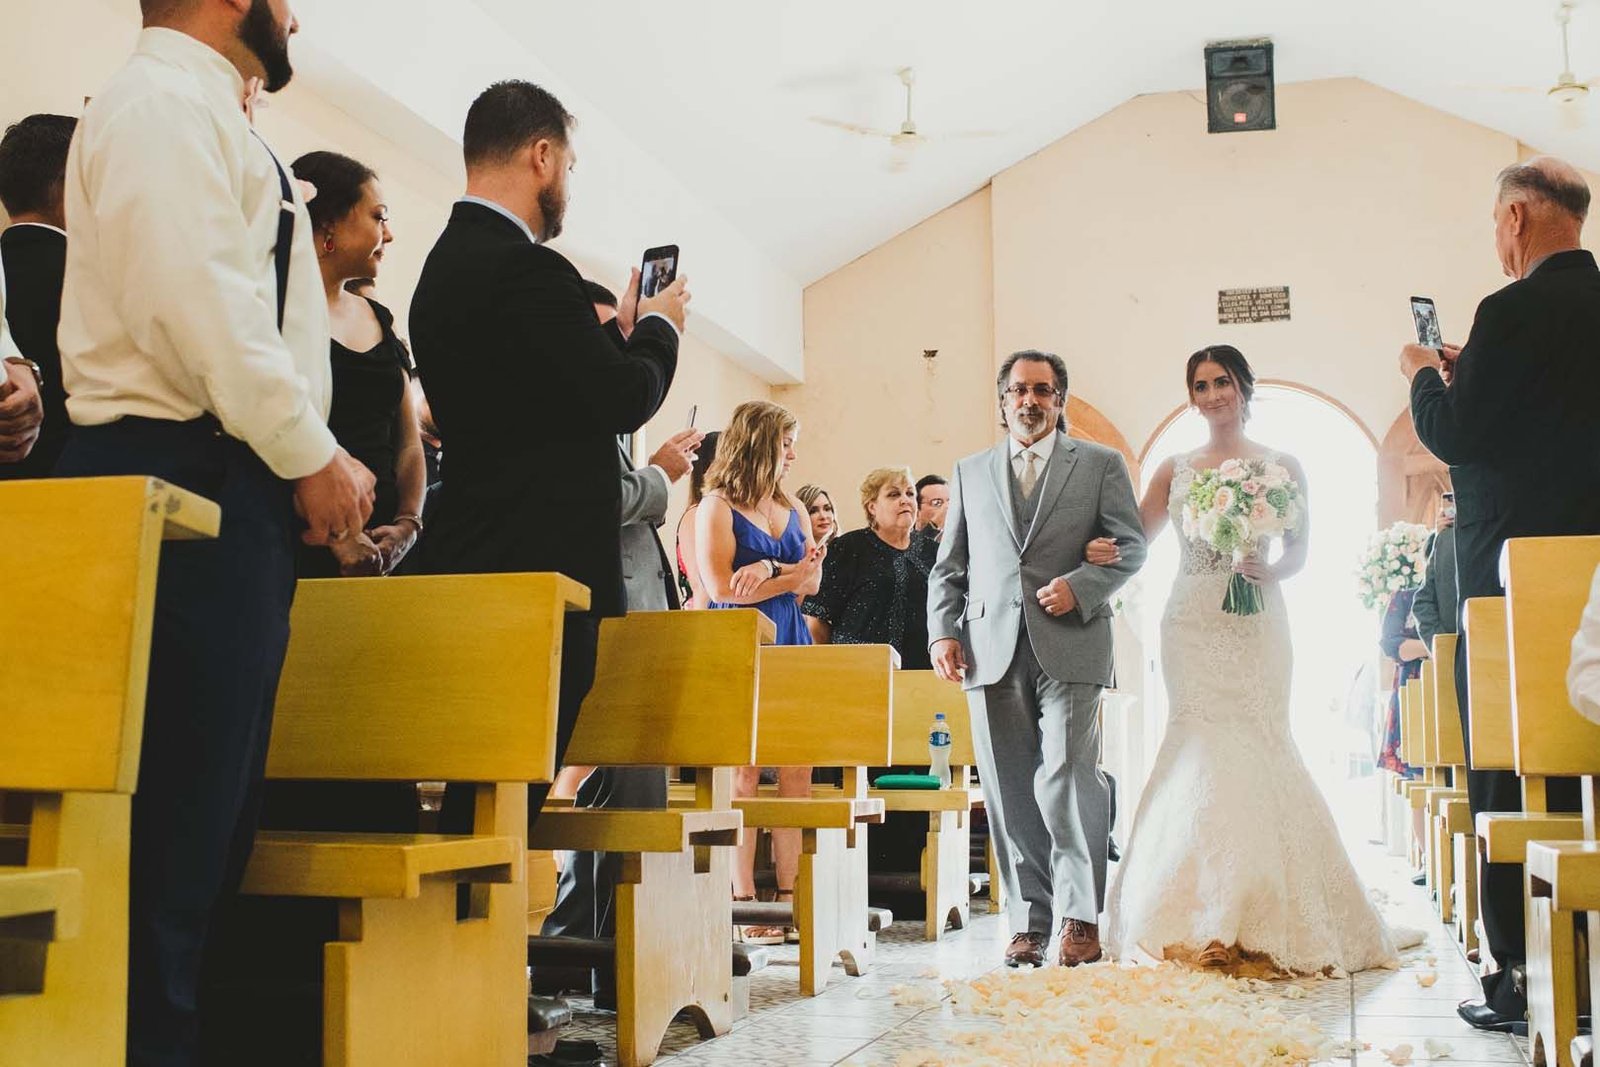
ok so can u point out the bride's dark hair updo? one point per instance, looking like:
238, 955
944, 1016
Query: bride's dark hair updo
1229, 359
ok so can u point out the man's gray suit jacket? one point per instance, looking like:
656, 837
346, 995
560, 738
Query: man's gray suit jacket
988, 573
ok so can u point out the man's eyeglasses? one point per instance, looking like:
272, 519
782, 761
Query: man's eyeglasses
1039, 392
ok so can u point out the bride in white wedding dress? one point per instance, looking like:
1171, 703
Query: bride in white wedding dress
1234, 860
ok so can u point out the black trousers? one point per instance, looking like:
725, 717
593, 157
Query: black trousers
1500, 888
217, 646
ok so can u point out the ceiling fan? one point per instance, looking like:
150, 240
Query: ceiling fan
1568, 93
907, 138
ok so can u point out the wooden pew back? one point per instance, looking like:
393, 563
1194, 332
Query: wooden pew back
1412, 747
826, 705
1423, 703
1488, 684
674, 687
918, 697
1441, 668
380, 674
85, 603
1547, 586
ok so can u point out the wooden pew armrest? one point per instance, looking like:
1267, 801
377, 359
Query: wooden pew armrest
925, 800
809, 813
1570, 871
1438, 798
1457, 815
1504, 835
288, 863
625, 830
40, 903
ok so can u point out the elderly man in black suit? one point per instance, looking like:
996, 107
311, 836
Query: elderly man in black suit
1514, 413
526, 385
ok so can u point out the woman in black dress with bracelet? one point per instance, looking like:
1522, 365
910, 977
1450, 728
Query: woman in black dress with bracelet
874, 586
374, 415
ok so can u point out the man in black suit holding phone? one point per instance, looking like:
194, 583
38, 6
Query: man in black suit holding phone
33, 249
1514, 414
526, 385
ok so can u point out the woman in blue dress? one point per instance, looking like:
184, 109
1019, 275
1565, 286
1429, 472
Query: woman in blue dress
755, 550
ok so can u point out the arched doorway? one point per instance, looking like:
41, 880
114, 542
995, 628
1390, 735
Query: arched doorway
1335, 639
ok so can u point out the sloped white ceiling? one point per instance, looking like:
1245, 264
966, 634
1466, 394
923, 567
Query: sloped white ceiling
720, 91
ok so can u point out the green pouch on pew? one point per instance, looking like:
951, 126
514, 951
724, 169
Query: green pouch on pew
906, 781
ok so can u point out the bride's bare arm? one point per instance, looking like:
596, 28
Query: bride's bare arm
1153, 513
1297, 545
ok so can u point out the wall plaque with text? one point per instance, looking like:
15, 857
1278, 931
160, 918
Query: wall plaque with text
1268, 304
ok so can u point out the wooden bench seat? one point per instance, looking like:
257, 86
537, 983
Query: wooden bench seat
671, 689
1547, 587
413, 972
825, 812
1503, 836
1567, 872
946, 853
388, 866
619, 830
830, 891
71, 726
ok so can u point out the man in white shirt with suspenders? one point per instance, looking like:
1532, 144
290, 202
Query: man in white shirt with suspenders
194, 347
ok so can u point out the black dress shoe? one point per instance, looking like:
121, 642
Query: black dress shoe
1480, 1016
1420, 878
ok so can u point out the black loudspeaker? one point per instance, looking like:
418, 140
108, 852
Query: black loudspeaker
1239, 93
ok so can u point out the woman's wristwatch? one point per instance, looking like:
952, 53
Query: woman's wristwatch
774, 567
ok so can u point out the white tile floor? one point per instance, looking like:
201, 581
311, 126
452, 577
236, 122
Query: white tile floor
861, 1021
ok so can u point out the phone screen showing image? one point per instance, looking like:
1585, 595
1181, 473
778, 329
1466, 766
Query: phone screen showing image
658, 271
1427, 320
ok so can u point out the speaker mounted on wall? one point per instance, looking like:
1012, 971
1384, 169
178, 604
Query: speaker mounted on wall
1239, 88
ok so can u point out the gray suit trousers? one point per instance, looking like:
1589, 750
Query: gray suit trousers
586, 891
1038, 748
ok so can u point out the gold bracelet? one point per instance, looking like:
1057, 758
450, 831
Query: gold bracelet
415, 520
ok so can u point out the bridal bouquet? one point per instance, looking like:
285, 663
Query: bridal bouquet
1236, 509
1396, 559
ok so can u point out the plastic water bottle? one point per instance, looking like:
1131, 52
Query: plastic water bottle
939, 751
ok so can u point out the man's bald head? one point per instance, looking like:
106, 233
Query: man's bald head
1546, 182
1539, 210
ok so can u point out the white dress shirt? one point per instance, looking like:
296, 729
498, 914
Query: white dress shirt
1583, 677
171, 298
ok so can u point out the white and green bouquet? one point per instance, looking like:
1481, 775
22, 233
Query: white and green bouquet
1236, 509
1396, 559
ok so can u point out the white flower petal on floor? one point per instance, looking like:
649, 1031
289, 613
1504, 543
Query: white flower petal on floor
1101, 1016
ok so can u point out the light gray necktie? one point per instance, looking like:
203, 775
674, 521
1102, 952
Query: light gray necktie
1030, 473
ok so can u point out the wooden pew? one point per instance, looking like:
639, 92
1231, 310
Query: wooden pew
826, 706
469, 695
1502, 836
71, 722
1448, 750
671, 689
1547, 586
946, 858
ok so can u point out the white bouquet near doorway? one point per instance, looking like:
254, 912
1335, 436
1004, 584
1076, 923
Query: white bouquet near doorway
1396, 559
1236, 509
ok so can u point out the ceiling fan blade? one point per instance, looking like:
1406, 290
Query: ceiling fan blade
850, 127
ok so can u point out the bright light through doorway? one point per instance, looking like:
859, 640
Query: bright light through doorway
1334, 718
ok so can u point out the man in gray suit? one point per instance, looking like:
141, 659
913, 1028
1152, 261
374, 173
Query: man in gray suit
587, 887
1437, 605
1024, 624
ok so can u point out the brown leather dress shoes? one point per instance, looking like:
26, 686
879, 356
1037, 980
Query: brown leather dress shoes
1080, 943
1026, 950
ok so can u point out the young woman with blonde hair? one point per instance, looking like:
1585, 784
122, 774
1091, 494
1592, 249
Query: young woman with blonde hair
755, 549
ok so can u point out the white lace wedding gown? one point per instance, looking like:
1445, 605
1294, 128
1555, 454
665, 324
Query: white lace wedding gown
1233, 841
